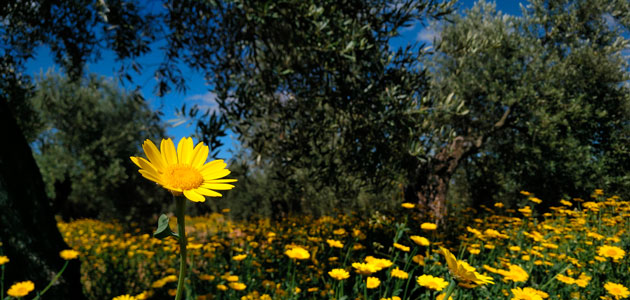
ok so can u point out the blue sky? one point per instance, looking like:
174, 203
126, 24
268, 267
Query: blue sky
198, 92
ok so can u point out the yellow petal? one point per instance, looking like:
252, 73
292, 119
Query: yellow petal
194, 196
207, 192
184, 149
143, 164
213, 165
200, 155
219, 181
214, 174
154, 155
168, 151
217, 186
150, 175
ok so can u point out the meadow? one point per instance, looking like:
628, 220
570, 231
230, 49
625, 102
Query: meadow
572, 251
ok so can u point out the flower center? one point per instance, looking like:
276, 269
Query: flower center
183, 177
611, 252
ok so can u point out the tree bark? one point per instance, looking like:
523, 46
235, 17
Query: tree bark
28, 229
431, 182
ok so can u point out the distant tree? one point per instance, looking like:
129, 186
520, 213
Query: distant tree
313, 88
89, 128
545, 97
69, 28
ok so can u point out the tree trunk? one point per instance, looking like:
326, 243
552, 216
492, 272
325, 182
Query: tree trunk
430, 186
430, 183
28, 230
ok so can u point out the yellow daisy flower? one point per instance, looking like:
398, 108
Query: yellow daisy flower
334, 243
430, 282
237, 286
124, 297
298, 253
420, 241
21, 289
428, 226
528, 293
3, 260
184, 171
339, 274
617, 290
69, 254
463, 272
372, 282
611, 251
398, 273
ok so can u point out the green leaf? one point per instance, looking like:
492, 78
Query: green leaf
163, 229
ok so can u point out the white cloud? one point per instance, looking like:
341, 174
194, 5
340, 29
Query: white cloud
427, 35
205, 101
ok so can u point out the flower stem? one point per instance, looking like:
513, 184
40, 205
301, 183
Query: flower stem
180, 209
450, 289
53, 280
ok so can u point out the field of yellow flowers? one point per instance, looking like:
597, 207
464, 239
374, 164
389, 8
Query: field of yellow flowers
573, 251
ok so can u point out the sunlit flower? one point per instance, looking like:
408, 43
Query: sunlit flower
372, 282
565, 279
339, 274
379, 263
617, 290
239, 257
398, 273
334, 243
583, 280
421, 241
528, 293
428, 226
3, 260
430, 282
69, 254
222, 287
237, 286
125, 297
611, 251
441, 297
408, 205
419, 259
298, 253
514, 273
365, 268
463, 272
21, 289
401, 247
184, 171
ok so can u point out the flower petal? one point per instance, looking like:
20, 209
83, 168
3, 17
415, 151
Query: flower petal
213, 165
207, 192
200, 155
150, 175
217, 186
220, 181
154, 155
184, 150
214, 174
168, 152
194, 196
143, 164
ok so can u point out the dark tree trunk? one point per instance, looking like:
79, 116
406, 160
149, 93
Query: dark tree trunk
429, 186
28, 229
